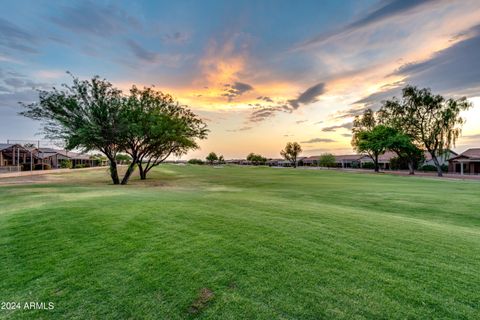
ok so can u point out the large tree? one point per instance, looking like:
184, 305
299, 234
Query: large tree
433, 122
86, 115
373, 142
158, 126
291, 152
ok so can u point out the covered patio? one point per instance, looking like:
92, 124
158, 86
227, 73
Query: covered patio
467, 162
14, 157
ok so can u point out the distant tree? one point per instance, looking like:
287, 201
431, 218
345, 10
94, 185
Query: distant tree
256, 159
433, 122
195, 161
212, 157
327, 160
86, 115
291, 152
221, 160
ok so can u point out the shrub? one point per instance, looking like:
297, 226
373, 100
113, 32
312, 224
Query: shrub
428, 167
368, 165
66, 164
40, 166
327, 160
80, 166
431, 167
195, 161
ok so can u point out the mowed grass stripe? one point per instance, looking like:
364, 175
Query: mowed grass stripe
270, 243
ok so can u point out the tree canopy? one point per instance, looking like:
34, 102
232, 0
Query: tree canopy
327, 160
158, 126
211, 157
291, 152
433, 122
94, 115
256, 159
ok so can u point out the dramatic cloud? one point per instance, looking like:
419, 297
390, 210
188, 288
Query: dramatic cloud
454, 70
176, 37
267, 112
317, 140
144, 55
267, 99
309, 96
92, 18
236, 89
241, 129
387, 10
141, 52
14, 37
11, 100
347, 125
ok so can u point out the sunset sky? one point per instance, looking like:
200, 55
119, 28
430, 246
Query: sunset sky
261, 73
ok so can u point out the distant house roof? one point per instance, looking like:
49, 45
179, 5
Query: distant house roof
348, 157
387, 156
47, 152
4, 146
471, 154
449, 152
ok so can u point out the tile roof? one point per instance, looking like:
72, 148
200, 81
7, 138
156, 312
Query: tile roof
472, 153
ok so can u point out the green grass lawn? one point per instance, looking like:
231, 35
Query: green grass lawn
241, 243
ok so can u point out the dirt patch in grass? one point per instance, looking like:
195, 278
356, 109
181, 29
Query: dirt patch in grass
205, 296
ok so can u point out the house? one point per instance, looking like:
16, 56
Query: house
383, 160
348, 160
442, 158
311, 161
468, 162
15, 157
283, 162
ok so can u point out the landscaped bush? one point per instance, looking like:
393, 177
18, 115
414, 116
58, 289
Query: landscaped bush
368, 165
428, 167
195, 161
431, 167
38, 166
80, 166
66, 164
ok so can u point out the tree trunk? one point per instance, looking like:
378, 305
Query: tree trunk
377, 169
437, 164
114, 171
410, 167
129, 172
143, 173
